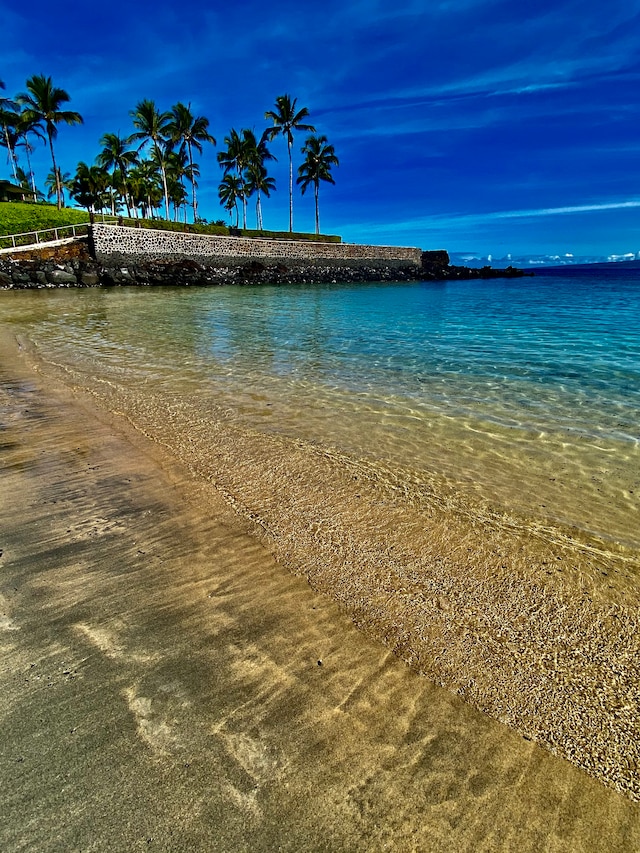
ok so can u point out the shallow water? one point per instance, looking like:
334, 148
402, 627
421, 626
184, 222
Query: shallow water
457, 465
153, 699
523, 393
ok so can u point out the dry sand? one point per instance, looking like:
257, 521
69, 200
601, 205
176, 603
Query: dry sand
166, 684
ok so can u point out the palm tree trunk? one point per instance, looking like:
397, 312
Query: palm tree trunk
166, 190
124, 186
126, 191
243, 197
258, 212
31, 177
12, 155
55, 172
164, 182
193, 184
290, 187
315, 192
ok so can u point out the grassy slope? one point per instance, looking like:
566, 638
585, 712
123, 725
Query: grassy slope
17, 218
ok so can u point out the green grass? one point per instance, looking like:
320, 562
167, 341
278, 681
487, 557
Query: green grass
295, 235
16, 218
163, 225
222, 230
19, 218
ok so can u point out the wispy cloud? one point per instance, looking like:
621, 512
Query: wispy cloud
556, 211
481, 218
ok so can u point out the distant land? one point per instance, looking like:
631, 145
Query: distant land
468, 259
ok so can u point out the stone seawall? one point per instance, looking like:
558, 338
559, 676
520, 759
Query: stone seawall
75, 265
114, 245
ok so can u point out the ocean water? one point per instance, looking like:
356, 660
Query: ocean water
524, 393
457, 464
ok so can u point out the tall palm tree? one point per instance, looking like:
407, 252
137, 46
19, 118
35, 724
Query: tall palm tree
153, 126
230, 190
189, 132
42, 104
118, 158
319, 158
9, 140
285, 120
24, 128
235, 156
254, 153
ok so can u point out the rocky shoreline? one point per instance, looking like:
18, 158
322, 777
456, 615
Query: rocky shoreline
72, 266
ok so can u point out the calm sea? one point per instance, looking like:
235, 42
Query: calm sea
522, 392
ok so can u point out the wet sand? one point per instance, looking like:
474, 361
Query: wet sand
167, 684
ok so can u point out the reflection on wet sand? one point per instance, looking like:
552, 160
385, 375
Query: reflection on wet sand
169, 683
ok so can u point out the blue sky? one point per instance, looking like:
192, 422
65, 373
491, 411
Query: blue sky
484, 127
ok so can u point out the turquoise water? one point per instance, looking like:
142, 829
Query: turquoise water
524, 392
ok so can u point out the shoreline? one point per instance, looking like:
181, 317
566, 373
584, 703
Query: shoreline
153, 697
516, 625
521, 627
74, 266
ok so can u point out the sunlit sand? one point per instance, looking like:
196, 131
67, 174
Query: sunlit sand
168, 680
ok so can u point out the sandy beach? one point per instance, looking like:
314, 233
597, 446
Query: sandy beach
168, 684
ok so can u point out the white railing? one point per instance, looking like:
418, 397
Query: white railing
44, 235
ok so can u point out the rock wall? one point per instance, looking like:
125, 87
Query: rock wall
73, 265
17, 274
117, 245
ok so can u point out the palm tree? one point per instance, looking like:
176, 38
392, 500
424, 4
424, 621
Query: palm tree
8, 118
286, 120
115, 156
89, 187
190, 133
255, 177
136, 187
319, 158
119, 188
177, 196
57, 182
230, 190
236, 157
42, 105
24, 181
178, 168
145, 187
258, 181
153, 126
24, 127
